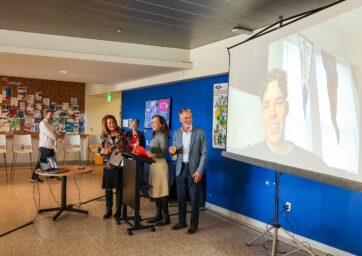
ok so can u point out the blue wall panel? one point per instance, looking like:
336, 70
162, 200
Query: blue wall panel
321, 212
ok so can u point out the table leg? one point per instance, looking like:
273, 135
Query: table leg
64, 206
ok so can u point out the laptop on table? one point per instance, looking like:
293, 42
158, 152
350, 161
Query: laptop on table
50, 166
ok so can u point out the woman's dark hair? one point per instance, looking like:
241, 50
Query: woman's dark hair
105, 130
164, 126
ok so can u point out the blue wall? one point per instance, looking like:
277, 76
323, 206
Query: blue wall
321, 212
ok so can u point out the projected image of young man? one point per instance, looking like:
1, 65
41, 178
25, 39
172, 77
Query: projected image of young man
274, 112
275, 107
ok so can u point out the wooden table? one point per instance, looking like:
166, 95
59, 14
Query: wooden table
72, 171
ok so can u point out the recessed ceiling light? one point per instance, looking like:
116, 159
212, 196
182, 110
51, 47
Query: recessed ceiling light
239, 30
119, 30
63, 71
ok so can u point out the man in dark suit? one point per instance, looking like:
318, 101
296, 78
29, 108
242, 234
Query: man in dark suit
189, 148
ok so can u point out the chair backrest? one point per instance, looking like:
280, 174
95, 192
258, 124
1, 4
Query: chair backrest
2, 141
72, 140
93, 140
21, 141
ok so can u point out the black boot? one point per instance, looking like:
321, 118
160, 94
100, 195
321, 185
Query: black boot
158, 215
118, 214
166, 216
109, 203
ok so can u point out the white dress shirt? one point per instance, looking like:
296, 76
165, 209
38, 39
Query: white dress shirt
186, 141
47, 137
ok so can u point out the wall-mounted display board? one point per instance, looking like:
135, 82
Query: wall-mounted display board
24, 102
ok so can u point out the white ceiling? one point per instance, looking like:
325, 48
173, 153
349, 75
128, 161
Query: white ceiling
167, 26
87, 71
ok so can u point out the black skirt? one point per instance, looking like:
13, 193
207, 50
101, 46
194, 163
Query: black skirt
112, 178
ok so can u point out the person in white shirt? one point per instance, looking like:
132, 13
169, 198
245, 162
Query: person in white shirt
47, 142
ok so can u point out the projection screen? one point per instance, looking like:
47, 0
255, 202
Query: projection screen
294, 95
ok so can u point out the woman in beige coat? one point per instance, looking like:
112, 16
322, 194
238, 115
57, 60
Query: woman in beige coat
158, 178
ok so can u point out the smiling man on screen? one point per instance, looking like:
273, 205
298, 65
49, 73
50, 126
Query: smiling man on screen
274, 111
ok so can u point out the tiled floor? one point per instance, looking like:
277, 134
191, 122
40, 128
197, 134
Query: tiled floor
77, 234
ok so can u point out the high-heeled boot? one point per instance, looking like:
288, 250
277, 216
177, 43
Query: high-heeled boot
166, 216
109, 203
119, 201
158, 215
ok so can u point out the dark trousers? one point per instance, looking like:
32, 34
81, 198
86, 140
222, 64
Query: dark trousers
44, 153
109, 199
184, 181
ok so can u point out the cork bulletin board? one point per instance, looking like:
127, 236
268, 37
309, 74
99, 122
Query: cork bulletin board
67, 99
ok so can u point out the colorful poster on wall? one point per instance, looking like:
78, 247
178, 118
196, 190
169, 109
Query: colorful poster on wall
21, 114
219, 115
7, 92
81, 126
13, 111
5, 124
15, 124
69, 126
22, 93
46, 102
53, 106
5, 108
76, 126
73, 102
37, 113
38, 96
30, 109
65, 106
27, 123
22, 105
13, 101
157, 107
30, 99
38, 106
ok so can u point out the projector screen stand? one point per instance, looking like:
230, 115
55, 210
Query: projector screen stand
276, 227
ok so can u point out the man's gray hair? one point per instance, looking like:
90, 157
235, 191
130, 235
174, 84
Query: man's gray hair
183, 110
136, 121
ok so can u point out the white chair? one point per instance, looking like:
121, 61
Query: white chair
22, 144
3, 150
93, 144
72, 145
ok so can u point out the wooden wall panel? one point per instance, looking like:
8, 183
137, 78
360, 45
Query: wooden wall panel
58, 91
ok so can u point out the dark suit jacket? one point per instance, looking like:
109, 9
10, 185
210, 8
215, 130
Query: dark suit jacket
198, 150
141, 137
